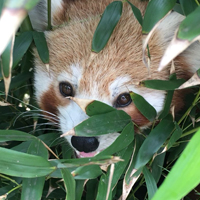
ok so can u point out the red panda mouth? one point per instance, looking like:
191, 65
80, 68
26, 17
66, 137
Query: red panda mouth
85, 155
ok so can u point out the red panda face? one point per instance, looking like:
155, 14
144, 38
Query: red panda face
107, 76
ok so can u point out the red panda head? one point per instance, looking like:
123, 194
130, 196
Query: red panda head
108, 76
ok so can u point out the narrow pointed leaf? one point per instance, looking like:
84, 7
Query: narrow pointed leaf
168, 100
87, 172
13, 135
124, 139
184, 175
163, 84
23, 165
175, 136
22, 43
106, 25
106, 123
157, 166
143, 106
32, 188
69, 184
189, 28
97, 107
160, 8
154, 141
150, 182
41, 45
137, 13
188, 6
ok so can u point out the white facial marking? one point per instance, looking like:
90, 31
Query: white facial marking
42, 82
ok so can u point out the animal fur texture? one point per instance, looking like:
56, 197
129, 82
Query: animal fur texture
116, 70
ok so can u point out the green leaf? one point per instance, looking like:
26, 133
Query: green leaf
79, 189
19, 164
188, 6
189, 28
122, 141
98, 107
41, 45
144, 107
32, 188
106, 123
136, 12
125, 154
103, 187
154, 141
87, 172
157, 166
91, 186
184, 175
150, 182
175, 136
69, 184
168, 99
21, 45
13, 135
106, 25
159, 8
163, 84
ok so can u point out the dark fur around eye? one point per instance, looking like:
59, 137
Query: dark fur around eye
66, 89
123, 100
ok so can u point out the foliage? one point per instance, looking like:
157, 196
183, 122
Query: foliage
35, 163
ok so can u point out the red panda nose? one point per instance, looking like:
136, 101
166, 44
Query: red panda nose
85, 144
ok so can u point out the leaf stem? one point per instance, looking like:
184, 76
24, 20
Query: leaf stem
14, 189
197, 2
7, 178
190, 132
49, 27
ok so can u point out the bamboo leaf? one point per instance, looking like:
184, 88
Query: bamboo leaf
97, 107
69, 184
19, 164
106, 25
168, 99
160, 8
106, 123
143, 106
13, 135
137, 13
154, 141
32, 188
150, 182
162, 84
184, 175
87, 172
41, 45
188, 6
22, 43
124, 139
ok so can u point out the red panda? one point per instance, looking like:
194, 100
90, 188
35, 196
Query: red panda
110, 75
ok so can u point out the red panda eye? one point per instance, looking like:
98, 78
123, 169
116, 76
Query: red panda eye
123, 100
66, 89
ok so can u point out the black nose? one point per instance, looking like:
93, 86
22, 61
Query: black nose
85, 144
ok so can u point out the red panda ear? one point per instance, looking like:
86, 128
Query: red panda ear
39, 16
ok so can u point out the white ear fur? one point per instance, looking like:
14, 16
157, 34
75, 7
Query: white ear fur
38, 15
